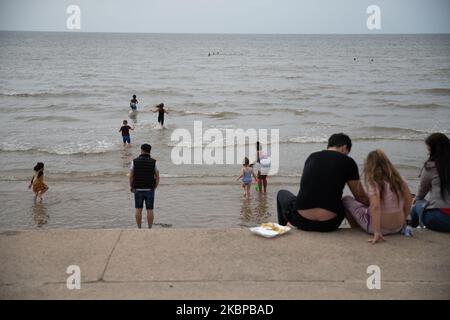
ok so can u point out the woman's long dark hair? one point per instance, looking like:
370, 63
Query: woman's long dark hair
439, 145
39, 167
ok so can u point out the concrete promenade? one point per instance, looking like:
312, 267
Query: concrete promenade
221, 264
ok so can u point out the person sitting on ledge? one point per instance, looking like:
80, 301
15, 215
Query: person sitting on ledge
318, 205
434, 213
389, 196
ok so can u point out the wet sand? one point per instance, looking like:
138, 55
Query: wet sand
107, 203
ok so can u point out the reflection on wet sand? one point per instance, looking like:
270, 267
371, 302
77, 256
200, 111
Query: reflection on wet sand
40, 214
126, 156
254, 211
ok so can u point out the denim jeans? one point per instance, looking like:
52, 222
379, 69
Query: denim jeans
433, 219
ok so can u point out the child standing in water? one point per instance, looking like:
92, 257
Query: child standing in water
246, 175
160, 109
37, 182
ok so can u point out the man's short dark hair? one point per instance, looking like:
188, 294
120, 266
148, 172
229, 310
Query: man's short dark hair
339, 140
146, 148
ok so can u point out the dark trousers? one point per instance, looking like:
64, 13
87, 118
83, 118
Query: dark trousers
433, 219
287, 212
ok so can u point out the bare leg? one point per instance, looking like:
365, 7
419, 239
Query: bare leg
248, 191
138, 217
40, 193
35, 196
265, 185
150, 218
260, 182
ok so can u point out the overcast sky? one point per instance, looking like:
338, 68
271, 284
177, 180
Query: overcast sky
228, 16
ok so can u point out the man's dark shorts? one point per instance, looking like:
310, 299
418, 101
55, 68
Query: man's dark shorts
144, 196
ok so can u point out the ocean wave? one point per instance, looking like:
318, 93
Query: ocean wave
435, 91
221, 114
47, 94
63, 149
418, 106
394, 130
323, 139
46, 118
374, 93
303, 112
165, 92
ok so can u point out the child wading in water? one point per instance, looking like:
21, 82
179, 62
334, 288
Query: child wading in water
125, 129
37, 182
133, 103
161, 111
246, 175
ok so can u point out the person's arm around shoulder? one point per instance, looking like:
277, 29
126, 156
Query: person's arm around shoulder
358, 191
375, 215
354, 183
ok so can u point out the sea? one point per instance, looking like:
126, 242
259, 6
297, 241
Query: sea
63, 97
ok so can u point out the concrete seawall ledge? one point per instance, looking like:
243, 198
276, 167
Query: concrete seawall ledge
221, 264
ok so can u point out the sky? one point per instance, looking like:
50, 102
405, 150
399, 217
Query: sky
228, 16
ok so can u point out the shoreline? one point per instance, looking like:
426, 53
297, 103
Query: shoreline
225, 263
109, 204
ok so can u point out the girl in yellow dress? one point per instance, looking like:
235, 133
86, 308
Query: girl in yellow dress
37, 182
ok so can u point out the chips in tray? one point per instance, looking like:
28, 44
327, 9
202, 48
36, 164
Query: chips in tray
270, 230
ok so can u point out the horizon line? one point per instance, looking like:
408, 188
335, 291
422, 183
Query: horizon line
225, 33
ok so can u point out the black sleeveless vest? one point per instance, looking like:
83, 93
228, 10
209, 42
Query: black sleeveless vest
144, 172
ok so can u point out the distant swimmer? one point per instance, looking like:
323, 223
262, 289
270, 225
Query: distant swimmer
133, 103
354, 59
371, 60
161, 111
209, 54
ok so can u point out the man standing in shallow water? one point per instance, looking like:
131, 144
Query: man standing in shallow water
144, 179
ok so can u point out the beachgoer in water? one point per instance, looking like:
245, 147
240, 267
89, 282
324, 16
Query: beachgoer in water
37, 182
133, 103
246, 175
144, 179
125, 129
161, 111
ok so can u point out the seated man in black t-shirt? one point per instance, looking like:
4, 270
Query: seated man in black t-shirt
318, 205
